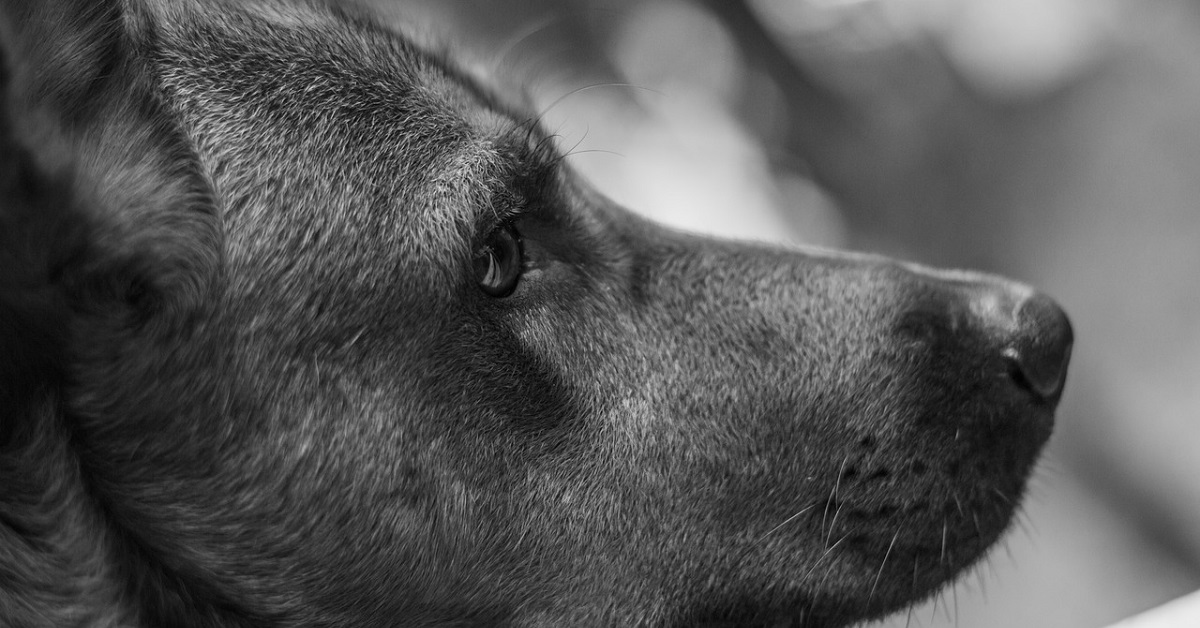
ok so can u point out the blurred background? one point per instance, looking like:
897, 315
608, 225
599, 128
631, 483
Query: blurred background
1055, 141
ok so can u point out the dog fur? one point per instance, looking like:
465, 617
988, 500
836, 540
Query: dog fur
250, 378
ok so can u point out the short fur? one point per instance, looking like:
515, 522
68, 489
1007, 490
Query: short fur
249, 378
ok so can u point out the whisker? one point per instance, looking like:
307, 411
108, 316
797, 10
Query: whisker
879, 575
785, 522
942, 559
823, 556
1012, 559
580, 141
832, 524
593, 150
833, 494
579, 90
1025, 525
506, 49
540, 147
837, 488
954, 592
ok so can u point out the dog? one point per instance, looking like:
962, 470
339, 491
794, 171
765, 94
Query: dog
302, 326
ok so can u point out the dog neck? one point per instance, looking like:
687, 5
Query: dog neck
66, 561
59, 566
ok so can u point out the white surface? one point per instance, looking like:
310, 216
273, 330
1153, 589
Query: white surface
1181, 613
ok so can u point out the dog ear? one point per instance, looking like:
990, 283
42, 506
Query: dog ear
104, 213
106, 199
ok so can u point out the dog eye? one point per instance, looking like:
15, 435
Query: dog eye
498, 262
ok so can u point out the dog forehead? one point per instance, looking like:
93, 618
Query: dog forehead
352, 129
335, 75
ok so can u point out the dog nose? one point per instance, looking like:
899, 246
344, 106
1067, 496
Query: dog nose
1012, 330
1039, 348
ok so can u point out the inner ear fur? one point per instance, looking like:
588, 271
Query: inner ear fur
108, 229
114, 212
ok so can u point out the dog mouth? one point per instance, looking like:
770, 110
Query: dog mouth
905, 533
945, 512
889, 554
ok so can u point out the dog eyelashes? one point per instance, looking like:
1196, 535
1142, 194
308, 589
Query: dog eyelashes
498, 263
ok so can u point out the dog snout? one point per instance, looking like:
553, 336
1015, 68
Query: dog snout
1022, 333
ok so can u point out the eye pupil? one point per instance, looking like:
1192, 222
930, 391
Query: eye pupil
498, 263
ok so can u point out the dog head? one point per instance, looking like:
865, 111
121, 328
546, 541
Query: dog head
308, 328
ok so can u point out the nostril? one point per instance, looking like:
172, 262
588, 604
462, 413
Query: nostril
1038, 354
1015, 369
